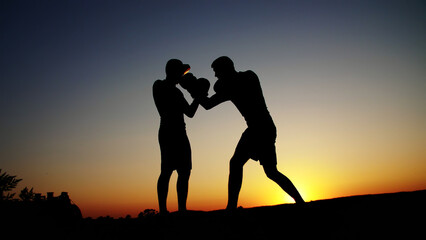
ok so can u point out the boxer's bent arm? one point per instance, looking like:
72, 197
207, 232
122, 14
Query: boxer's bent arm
191, 109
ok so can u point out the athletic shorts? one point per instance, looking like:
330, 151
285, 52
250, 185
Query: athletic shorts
175, 149
258, 144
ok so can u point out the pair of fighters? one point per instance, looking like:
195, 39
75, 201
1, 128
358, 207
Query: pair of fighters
257, 141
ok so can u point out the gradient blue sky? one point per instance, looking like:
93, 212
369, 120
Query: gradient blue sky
344, 80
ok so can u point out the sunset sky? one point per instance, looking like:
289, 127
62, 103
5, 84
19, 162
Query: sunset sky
345, 82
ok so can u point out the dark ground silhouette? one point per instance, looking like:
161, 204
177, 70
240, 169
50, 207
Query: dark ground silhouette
381, 216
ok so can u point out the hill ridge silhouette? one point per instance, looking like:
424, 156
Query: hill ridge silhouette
371, 216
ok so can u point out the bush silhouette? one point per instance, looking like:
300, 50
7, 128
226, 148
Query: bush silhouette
26, 195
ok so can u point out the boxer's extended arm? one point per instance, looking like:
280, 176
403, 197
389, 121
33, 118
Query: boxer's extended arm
213, 101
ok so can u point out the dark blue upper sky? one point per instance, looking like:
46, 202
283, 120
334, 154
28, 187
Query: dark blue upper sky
58, 55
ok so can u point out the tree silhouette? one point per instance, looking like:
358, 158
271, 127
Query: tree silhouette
26, 195
7, 183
